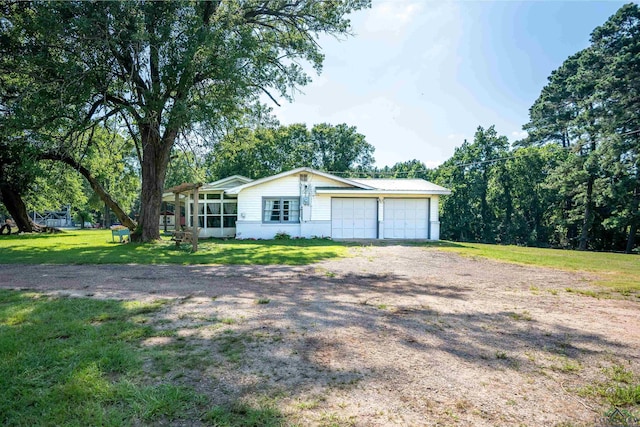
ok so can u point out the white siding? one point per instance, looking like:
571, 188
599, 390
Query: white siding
250, 208
250, 199
318, 221
321, 208
435, 219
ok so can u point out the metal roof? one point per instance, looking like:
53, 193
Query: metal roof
401, 184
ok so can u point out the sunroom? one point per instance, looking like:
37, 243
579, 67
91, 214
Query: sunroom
217, 212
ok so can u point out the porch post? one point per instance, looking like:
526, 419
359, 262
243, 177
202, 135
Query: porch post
164, 215
176, 214
222, 214
196, 209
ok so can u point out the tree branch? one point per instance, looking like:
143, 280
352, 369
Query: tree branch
95, 185
269, 95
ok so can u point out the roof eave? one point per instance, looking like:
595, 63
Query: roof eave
387, 192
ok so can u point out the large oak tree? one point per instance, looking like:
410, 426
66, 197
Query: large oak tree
161, 68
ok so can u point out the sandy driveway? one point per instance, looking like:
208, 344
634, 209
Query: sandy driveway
390, 336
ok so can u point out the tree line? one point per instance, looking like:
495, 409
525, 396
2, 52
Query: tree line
575, 180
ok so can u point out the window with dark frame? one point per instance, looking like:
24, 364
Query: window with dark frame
214, 212
281, 210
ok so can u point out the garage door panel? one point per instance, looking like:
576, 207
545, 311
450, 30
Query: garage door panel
406, 218
354, 218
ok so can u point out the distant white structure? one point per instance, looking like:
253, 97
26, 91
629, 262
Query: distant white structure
57, 219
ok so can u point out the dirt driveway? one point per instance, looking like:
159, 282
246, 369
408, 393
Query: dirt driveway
390, 336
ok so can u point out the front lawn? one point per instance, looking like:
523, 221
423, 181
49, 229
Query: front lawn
71, 361
621, 272
96, 247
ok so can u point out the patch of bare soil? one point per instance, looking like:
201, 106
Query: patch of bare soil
393, 335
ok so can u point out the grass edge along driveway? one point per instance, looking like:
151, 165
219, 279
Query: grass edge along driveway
619, 272
96, 247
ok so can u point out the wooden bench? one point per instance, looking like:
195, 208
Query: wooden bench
123, 235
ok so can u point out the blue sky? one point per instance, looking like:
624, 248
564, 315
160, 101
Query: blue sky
420, 76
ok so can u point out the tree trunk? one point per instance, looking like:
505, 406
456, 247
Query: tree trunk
155, 160
508, 215
486, 229
16, 207
631, 240
164, 215
95, 185
586, 222
633, 229
107, 217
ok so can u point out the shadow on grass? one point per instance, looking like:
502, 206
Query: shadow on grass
68, 361
73, 361
308, 348
243, 415
35, 236
295, 252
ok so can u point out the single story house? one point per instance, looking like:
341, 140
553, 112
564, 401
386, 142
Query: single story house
305, 202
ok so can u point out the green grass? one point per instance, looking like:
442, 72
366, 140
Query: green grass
232, 347
68, 361
241, 415
525, 315
95, 247
79, 361
620, 389
617, 271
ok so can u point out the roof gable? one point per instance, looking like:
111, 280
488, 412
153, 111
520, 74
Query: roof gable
349, 182
225, 183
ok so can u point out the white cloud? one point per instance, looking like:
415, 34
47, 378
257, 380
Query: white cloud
392, 81
432, 164
391, 17
519, 134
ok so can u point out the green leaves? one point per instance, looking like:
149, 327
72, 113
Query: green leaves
590, 107
269, 150
157, 70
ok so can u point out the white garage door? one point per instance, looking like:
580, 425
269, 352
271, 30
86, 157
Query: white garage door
354, 218
406, 218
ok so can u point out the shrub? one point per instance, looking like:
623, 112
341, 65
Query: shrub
282, 235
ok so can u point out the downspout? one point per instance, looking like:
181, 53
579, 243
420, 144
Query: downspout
380, 231
429, 218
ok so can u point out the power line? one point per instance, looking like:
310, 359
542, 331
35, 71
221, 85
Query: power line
415, 171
